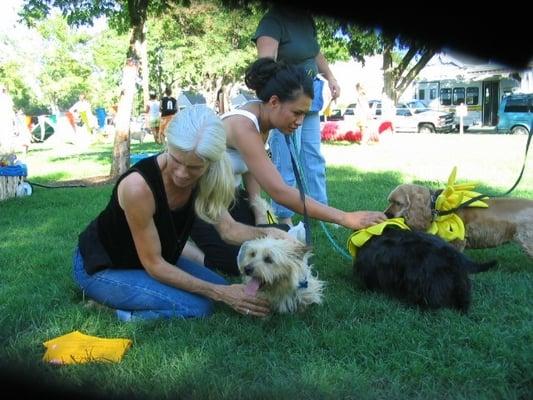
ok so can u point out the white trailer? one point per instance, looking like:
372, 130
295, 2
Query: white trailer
482, 97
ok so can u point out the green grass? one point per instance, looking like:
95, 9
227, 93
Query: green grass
357, 345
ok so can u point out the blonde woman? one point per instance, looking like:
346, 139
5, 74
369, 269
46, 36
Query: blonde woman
130, 257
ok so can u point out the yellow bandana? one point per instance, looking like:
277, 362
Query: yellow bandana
77, 348
450, 226
271, 218
360, 237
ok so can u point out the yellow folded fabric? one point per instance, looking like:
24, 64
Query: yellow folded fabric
360, 237
77, 348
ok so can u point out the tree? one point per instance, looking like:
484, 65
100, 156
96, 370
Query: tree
123, 15
403, 58
65, 64
203, 47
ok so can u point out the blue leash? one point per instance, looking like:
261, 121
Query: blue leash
295, 168
302, 187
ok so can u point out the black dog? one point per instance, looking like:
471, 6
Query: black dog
417, 268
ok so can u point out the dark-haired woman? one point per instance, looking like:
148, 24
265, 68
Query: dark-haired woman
284, 96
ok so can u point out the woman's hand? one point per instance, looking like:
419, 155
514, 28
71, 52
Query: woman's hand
362, 219
236, 297
277, 233
334, 88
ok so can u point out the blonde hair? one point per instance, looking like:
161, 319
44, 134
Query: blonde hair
197, 128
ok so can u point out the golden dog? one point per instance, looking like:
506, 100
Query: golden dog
505, 220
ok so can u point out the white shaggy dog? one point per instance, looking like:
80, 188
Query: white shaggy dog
278, 270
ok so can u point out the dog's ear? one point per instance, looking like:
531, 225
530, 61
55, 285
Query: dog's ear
299, 248
418, 213
392, 209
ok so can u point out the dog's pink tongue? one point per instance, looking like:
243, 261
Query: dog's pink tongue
252, 287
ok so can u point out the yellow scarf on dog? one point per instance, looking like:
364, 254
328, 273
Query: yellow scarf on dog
360, 237
450, 227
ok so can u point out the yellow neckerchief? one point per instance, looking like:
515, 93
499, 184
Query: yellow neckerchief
450, 227
360, 237
271, 218
77, 348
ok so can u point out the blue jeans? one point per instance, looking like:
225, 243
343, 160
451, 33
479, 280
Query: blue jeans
312, 162
136, 295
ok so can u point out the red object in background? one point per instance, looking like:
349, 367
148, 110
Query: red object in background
70, 118
386, 125
352, 136
329, 131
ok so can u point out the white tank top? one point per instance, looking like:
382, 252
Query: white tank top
237, 163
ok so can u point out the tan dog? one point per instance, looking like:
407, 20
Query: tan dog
506, 219
278, 270
137, 130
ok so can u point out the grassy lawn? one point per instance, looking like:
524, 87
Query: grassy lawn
357, 345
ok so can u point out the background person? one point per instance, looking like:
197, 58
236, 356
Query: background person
285, 93
82, 112
130, 256
169, 107
363, 116
153, 118
289, 34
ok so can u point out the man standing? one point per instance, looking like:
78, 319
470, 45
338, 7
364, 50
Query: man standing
169, 107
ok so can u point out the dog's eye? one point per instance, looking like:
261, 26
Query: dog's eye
252, 254
267, 260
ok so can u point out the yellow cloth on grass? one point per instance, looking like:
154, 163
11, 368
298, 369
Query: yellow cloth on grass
450, 226
77, 348
360, 237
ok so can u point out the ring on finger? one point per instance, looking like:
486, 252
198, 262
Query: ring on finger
247, 311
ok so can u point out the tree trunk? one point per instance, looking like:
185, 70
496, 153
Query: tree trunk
121, 147
144, 69
405, 80
388, 73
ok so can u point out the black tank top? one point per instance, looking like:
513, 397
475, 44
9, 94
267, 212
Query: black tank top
107, 241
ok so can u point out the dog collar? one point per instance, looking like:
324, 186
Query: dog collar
446, 223
360, 237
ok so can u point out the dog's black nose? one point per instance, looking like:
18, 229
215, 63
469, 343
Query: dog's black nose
248, 270
388, 214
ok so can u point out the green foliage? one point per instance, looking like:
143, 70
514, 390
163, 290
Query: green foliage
66, 63
109, 51
200, 45
11, 73
332, 45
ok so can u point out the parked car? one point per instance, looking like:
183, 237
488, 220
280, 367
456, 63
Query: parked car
414, 116
515, 114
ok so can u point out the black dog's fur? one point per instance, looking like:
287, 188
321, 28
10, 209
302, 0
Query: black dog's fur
417, 268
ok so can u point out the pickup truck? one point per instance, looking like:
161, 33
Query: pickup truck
410, 116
